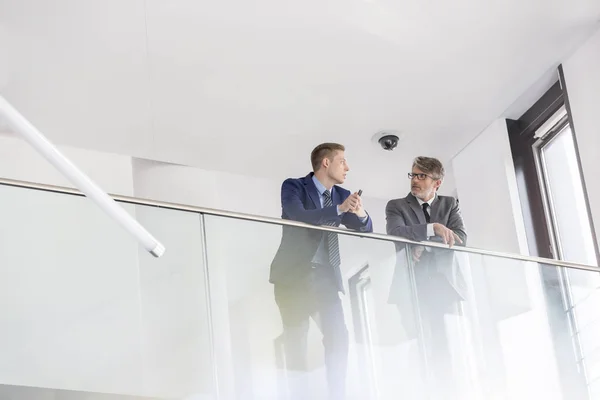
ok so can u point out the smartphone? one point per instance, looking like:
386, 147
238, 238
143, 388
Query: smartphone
360, 192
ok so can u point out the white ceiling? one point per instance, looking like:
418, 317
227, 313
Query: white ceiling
251, 87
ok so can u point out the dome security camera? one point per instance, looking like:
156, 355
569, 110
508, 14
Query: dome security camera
389, 142
387, 139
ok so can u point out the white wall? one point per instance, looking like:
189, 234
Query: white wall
124, 175
582, 78
174, 183
20, 161
487, 187
3, 57
222, 190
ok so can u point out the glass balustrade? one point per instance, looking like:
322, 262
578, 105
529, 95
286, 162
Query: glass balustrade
423, 322
87, 313
85, 309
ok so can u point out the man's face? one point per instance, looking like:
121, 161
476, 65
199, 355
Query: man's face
337, 168
422, 184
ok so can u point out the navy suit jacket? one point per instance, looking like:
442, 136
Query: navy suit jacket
300, 202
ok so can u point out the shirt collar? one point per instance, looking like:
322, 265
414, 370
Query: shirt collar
320, 187
429, 202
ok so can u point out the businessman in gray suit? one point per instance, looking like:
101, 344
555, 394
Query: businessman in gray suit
439, 285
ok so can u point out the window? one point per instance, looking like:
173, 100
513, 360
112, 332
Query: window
558, 225
571, 238
562, 190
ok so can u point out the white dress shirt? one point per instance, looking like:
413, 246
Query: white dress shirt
430, 231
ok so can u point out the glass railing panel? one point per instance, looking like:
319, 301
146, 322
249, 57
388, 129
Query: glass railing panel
452, 325
381, 334
484, 326
511, 332
85, 309
240, 254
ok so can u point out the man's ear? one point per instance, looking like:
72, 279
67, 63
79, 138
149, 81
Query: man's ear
438, 183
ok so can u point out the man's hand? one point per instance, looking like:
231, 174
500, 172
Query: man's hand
359, 209
350, 204
417, 251
447, 235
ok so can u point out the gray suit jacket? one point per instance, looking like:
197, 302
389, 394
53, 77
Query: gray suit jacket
437, 274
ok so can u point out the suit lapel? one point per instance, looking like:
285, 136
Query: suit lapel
434, 209
313, 193
414, 204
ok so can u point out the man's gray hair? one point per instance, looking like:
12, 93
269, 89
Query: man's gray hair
430, 165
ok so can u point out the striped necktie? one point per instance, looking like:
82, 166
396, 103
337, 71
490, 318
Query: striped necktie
332, 238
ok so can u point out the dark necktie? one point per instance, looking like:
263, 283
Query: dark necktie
333, 246
427, 217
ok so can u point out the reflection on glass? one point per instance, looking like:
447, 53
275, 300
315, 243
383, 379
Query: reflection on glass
436, 283
501, 340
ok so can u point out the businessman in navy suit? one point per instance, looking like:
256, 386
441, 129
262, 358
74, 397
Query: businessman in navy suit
306, 269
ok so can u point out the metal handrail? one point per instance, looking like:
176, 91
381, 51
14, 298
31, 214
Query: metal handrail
284, 222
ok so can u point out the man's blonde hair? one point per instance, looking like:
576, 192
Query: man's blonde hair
322, 151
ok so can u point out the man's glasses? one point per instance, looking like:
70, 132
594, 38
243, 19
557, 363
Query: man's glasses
420, 176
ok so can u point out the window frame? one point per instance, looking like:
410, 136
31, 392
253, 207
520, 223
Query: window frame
541, 121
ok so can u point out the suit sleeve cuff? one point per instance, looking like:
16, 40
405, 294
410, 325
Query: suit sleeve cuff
430, 232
